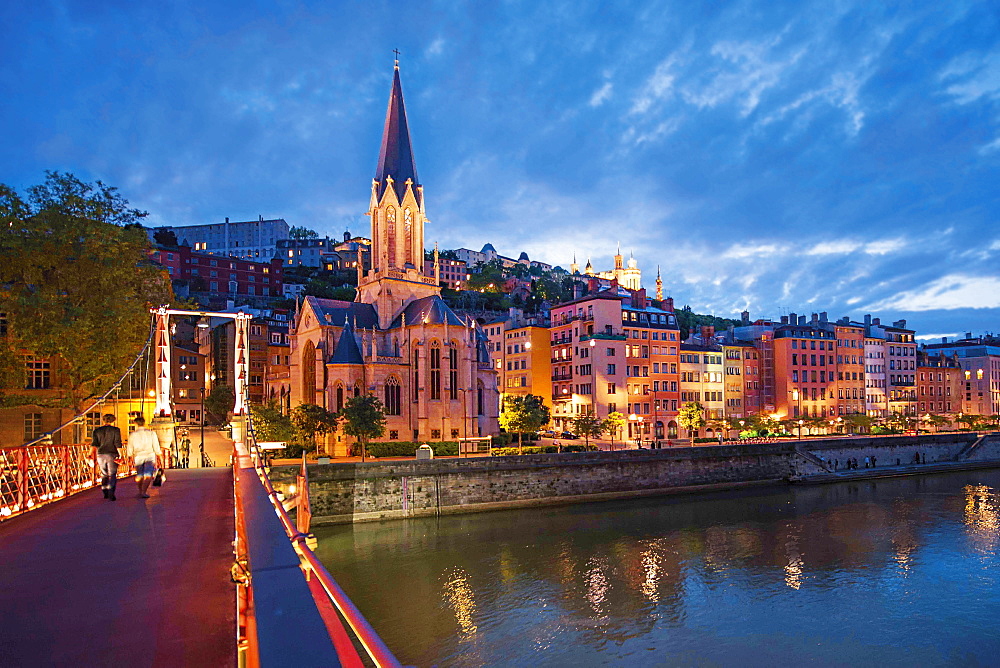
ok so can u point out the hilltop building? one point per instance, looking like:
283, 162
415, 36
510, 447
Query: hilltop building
252, 239
628, 276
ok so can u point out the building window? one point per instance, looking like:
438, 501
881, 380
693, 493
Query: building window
392, 397
436, 371
38, 375
452, 371
32, 426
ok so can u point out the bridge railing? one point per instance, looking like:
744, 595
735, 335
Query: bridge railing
333, 606
39, 472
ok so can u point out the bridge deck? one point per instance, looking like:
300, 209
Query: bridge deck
135, 582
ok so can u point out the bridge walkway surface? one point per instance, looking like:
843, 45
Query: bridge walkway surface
134, 582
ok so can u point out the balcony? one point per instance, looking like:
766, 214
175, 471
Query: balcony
565, 376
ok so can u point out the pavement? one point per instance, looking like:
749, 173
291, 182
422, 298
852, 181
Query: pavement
135, 582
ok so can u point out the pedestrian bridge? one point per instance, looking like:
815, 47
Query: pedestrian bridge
209, 571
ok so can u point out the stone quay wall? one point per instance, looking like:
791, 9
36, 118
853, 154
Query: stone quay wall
354, 492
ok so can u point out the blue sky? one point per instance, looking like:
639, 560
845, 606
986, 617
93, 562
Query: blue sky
776, 156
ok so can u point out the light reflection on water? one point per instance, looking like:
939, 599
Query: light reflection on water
895, 572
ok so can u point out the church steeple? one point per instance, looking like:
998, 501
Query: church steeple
395, 159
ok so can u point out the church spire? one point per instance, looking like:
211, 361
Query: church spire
395, 159
659, 285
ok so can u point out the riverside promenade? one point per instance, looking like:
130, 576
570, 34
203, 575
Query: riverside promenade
134, 582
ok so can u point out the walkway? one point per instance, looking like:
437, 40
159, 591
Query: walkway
136, 582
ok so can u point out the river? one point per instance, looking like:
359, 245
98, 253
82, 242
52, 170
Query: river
896, 572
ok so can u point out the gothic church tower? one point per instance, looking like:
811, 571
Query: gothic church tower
398, 217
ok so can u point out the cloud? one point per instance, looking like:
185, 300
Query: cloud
833, 248
435, 48
658, 87
973, 78
953, 291
751, 250
884, 246
601, 95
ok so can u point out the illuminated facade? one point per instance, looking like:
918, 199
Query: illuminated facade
399, 340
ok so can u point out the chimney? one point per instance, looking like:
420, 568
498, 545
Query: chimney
877, 321
868, 319
900, 323
745, 317
802, 320
784, 320
815, 318
944, 339
668, 304
707, 332
227, 220
823, 316
793, 319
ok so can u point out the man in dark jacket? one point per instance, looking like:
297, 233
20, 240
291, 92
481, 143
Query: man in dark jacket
107, 440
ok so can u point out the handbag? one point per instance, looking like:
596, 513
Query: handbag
159, 478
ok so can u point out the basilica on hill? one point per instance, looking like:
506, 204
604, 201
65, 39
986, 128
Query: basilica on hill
398, 340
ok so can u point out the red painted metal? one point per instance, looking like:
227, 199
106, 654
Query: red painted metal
33, 475
313, 568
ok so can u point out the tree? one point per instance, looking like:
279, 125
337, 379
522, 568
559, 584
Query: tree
310, 419
523, 414
858, 422
691, 417
78, 284
364, 419
165, 238
301, 233
270, 424
589, 425
219, 402
615, 422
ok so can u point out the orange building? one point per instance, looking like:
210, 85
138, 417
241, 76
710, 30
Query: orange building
850, 367
940, 384
525, 362
804, 372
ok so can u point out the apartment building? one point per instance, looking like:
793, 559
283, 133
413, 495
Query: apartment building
940, 384
979, 358
702, 378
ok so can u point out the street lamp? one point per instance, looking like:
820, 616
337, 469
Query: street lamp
797, 398
593, 379
801, 422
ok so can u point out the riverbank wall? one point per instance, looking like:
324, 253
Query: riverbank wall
355, 492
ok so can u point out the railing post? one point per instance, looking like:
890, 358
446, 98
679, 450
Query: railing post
22, 480
65, 469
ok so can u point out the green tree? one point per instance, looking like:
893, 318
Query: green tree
219, 402
301, 233
523, 414
589, 425
691, 417
77, 284
310, 420
270, 424
858, 423
615, 422
364, 419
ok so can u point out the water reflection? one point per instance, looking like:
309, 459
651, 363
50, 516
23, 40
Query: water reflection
691, 580
982, 519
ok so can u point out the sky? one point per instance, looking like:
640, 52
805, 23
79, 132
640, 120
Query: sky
771, 156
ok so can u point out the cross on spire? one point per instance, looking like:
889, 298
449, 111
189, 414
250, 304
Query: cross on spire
396, 51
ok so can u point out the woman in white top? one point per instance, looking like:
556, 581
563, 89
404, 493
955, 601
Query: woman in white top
144, 448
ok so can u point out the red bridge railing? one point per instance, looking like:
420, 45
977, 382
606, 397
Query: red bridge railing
33, 475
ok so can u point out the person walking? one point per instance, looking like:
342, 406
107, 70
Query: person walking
144, 448
107, 441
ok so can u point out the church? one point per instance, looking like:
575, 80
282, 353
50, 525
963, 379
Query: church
398, 340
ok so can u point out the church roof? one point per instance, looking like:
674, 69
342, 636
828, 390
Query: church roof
347, 350
395, 158
432, 310
337, 313
488, 248
522, 256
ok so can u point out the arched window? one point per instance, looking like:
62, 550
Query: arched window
390, 235
453, 371
416, 374
357, 389
480, 399
392, 399
309, 373
435, 370
408, 234
340, 397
